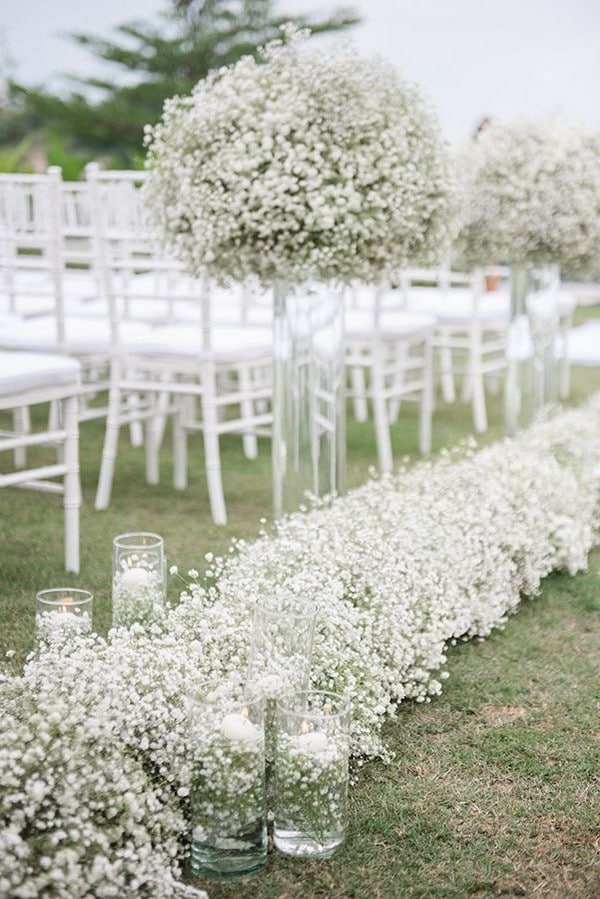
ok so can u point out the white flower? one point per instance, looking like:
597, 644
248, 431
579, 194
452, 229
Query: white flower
94, 735
531, 194
173, 569
302, 164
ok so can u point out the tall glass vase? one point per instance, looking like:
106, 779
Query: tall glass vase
519, 352
309, 420
532, 364
544, 320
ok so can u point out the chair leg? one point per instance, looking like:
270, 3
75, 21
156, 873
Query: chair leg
72, 487
394, 404
21, 426
180, 460
564, 386
480, 422
136, 430
380, 417
249, 440
359, 393
111, 439
212, 452
426, 410
54, 417
447, 375
164, 400
152, 442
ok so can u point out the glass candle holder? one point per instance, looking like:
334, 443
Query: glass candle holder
311, 773
227, 787
281, 647
139, 587
280, 655
63, 607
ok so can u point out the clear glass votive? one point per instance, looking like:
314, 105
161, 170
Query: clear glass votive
280, 654
139, 587
227, 787
63, 607
281, 647
311, 773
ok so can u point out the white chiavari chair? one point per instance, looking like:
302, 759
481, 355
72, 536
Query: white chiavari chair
211, 377
388, 358
35, 277
471, 331
28, 379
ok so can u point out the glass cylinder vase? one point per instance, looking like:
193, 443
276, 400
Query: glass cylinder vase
227, 787
282, 641
280, 657
543, 307
309, 420
532, 378
311, 773
139, 585
63, 608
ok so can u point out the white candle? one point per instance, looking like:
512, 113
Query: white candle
238, 727
66, 604
314, 742
135, 577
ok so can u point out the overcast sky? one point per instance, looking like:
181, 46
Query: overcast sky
501, 58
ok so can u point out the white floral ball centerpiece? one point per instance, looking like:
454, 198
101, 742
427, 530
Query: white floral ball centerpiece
531, 196
302, 164
532, 200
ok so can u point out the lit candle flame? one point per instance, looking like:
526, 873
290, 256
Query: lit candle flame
64, 607
245, 712
304, 727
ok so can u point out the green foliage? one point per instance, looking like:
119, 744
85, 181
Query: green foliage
12, 158
107, 115
72, 164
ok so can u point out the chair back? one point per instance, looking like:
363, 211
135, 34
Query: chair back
31, 246
139, 281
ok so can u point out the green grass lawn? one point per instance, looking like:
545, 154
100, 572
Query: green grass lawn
494, 789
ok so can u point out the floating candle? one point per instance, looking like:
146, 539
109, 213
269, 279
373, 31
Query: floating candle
313, 742
238, 727
135, 577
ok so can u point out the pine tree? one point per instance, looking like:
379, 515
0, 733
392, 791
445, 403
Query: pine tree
102, 116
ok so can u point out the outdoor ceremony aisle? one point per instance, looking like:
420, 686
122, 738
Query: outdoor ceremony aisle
491, 790
494, 788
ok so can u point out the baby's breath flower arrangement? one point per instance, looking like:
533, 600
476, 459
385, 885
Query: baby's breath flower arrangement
95, 773
302, 164
531, 196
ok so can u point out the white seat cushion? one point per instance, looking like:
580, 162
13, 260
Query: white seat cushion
228, 344
583, 344
546, 300
28, 371
9, 318
391, 325
84, 336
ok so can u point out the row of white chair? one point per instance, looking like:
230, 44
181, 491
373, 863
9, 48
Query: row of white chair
84, 275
